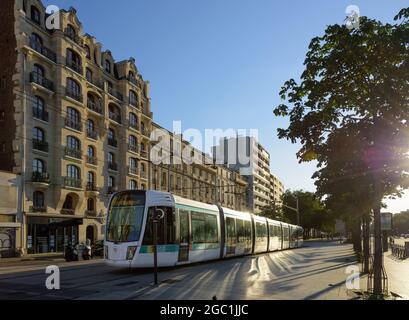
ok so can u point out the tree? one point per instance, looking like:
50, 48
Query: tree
355, 84
401, 223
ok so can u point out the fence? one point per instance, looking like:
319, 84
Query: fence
400, 251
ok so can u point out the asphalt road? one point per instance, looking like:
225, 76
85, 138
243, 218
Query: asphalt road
316, 271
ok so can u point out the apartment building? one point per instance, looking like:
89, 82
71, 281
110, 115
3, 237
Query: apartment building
74, 116
263, 187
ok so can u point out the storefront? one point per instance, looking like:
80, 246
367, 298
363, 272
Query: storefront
48, 235
8, 236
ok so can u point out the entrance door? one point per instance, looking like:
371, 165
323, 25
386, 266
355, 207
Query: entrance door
184, 238
90, 234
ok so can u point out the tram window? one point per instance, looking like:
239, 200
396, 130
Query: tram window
241, 232
198, 227
247, 229
285, 233
166, 228
231, 230
261, 231
211, 229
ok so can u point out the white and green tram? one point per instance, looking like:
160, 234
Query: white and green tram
189, 231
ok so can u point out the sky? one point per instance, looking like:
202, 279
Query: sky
221, 63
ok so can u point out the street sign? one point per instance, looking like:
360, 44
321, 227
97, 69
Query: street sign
386, 221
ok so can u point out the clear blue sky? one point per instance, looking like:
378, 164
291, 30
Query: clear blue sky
221, 63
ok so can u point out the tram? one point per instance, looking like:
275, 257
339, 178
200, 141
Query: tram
187, 231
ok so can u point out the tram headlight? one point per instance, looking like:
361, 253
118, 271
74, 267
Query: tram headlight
130, 253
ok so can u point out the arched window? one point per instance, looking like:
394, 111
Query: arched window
91, 128
91, 151
73, 172
38, 200
107, 66
73, 143
133, 98
133, 120
133, 163
38, 166
74, 61
38, 107
111, 157
111, 134
91, 204
90, 178
132, 185
133, 141
73, 88
35, 15
68, 203
38, 135
71, 33
114, 113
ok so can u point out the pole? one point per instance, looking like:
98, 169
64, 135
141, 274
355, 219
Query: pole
298, 212
155, 249
378, 251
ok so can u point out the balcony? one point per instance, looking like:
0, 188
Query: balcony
41, 80
115, 93
115, 117
72, 183
112, 142
132, 148
73, 124
40, 114
113, 166
73, 153
74, 95
133, 125
133, 170
40, 145
91, 187
40, 177
43, 50
92, 134
112, 190
90, 213
92, 160
144, 154
96, 107
73, 65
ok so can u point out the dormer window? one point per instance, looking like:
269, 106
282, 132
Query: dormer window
88, 52
107, 66
70, 32
35, 15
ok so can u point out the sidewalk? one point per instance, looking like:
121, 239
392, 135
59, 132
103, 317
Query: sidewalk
398, 275
33, 257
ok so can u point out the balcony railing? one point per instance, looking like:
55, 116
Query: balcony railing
91, 187
74, 65
73, 153
73, 124
132, 147
96, 107
112, 190
115, 93
90, 213
43, 50
92, 160
133, 170
115, 117
40, 145
74, 95
72, 182
113, 166
133, 125
92, 134
112, 142
39, 79
42, 177
40, 114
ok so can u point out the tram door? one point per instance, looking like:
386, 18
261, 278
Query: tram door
183, 236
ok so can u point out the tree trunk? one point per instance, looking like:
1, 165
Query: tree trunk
366, 236
356, 236
378, 256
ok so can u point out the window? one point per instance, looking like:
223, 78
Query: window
133, 100
142, 167
90, 125
38, 200
73, 87
73, 115
38, 166
38, 134
133, 163
88, 75
131, 77
111, 182
73, 143
91, 204
35, 15
36, 40
111, 134
133, 141
107, 66
73, 172
133, 120
70, 32
38, 72
90, 178
261, 232
132, 185
198, 227
38, 106
166, 227
90, 151
68, 203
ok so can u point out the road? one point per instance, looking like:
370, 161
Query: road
316, 271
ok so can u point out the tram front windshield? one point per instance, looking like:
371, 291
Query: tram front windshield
125, 217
